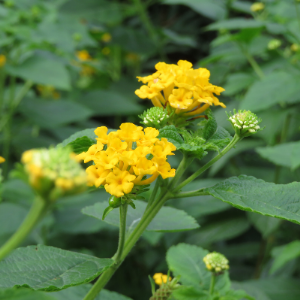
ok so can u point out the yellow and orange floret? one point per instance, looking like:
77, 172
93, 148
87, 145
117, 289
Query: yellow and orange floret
181, 87
125, 158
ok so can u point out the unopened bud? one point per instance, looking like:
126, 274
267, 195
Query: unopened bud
216, 262
155, 117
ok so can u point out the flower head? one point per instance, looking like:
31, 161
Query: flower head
54, 172
274, 44
257, 6
216, 262
2, 159
180, 88
127, 157
245, 123
155, 117
83, 55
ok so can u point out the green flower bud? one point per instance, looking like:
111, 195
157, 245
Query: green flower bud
274, 44
216, 262
114, 202
155, 117
167, 286
54, 172
245, 123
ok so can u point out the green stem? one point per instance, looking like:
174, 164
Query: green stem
212, 284
145, 18
189, 194
122, 232
153, 194
232, 143
135, 235
252, 62
37, 211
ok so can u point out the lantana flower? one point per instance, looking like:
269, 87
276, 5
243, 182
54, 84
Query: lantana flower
127, 157
180, 88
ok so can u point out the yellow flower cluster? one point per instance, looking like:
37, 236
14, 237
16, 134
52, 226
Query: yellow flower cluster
56, 168
121, 158
2, 159
161, 278
180, 86
84, 56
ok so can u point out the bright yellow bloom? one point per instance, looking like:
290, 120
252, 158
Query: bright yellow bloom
54, 172
83, 55
106, 37
257, 6
2, 60
123, 158
160, 278
2, 159
180, 88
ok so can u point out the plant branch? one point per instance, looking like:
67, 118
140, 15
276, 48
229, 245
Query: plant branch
190, 194
36, 213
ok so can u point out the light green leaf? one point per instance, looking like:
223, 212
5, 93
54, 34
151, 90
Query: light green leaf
214, 9
189, 293
256, 293
24, 294
49, 269
53, 114
236, 23
251, 194
168, 218
265, 225
236, 295
42, 70
265, 93
171, 134
286, 155
219, 230
243, 6
284, 254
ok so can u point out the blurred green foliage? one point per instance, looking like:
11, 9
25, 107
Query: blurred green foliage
71, 65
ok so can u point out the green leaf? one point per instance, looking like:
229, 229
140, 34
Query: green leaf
214, 9
79, 292
236, 295
49, 269
24, 294
211, 125
189, 293
89, 133
276, 87
187, 261
81, 144
251, 194
256, 293
171, 134
42, 70
51, 114
285, 155
235, 24
237, 82
284, 254
168, 219
218, 231
110, 103
265, 225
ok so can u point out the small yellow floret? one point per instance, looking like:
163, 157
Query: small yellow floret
2, 60
160, 278
257, 6
83, 55
2, 159
295, 47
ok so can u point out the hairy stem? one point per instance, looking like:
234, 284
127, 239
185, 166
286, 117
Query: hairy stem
37, 211
212, 284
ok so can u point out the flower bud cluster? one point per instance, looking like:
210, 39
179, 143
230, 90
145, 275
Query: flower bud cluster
166, 286
216, 262
54, 172
245, 123
155, 117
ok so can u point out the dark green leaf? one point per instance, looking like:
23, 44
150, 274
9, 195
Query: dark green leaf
286, 155
251, 194
237, 82
89, 133
170, 132
264, 93
284, 254
49, 269
190, 293
81, 144
167, 219
43, 70
24, 294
